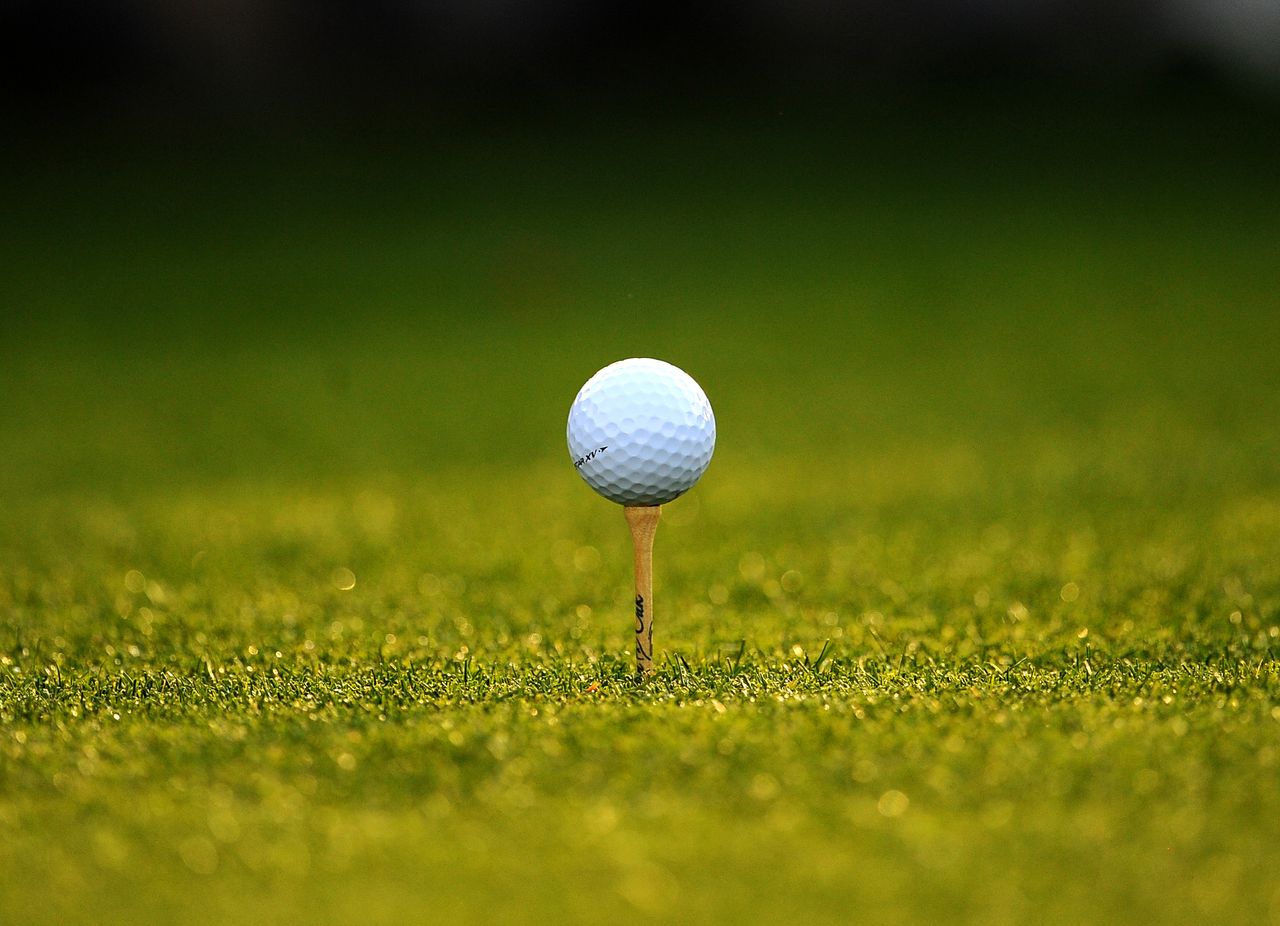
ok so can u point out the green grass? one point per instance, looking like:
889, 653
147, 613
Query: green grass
975, 617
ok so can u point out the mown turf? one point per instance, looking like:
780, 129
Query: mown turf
304, 615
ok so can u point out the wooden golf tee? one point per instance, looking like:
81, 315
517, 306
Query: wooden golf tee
644, 524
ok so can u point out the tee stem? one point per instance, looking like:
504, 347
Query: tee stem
644, 524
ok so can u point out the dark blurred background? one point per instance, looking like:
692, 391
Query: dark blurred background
276, 236
319, 59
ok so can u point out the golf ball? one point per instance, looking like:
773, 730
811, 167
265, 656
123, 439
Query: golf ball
641, 432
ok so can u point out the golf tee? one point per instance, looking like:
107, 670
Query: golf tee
644, 524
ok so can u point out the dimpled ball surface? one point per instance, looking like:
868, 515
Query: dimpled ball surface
641, 432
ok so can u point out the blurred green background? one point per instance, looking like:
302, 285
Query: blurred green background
305, 616
959, 272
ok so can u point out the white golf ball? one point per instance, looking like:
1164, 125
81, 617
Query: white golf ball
641, 432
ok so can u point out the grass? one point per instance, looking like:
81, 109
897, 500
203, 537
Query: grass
305, 617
